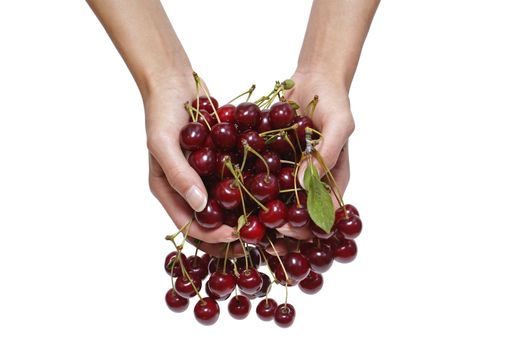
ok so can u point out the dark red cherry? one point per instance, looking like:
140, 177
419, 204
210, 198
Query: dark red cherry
211, 216
172, 265
253, 230
221, 168
286, 178
239, 307
224, 136
266, 309
312, 283
265, 286
303, 123
253, 139
184, 287
216, 264
345, 251
247, 115
296, 265
318, 232
349, 209
250, 281
281, 115
254, 259
208, 143
320, 258
205, 104
302, 196
284, 315
213, 295
231, 218
206, 258
203, 161
297, 216
272, 160
192, 136
281, 146
197, 266
265, 123
221, 283
349, 227
175, 302
207, 311
275, 215
264, 187
228, 194
206, 119
269, 234
279, 275
226, 113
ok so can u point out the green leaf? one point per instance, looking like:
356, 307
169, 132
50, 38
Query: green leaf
319, 203
241, 222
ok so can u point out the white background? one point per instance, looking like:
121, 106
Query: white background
436, 172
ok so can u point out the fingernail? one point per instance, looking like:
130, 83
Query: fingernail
196, 198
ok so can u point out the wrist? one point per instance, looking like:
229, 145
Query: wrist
320, 73
157, 82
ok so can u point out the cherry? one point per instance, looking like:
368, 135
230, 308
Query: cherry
247, 115
239, 307
231, 218
349, 227
224, 135
175, 302
264, 187
253, 139
318, 232
228, 194
349, 209
213, 295
205, 104
192, 136
266, 309
208, 143
203, 161
221, 158
312, 283
207, 311
216, 264
206, 119
281, 115
184, 288
265, 123
320, 258
281, 146
253, 230
226, 113
250, 281
211, 216
286, 178
275, 215
170, 260
279, 275
254, 259
197, 266
303, 123
272, 160
345, 251
206, 258
297, 216
296, 265
284, 315
265, 286
221, 283
264, 243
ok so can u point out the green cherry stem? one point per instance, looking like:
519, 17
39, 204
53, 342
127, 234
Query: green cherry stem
198, 82
226, 255
279, 259
277, 131
250, 91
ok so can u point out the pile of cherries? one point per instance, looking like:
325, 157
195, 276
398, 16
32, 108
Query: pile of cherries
247, 157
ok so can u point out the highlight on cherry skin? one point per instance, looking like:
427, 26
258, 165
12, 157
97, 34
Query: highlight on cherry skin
247, 153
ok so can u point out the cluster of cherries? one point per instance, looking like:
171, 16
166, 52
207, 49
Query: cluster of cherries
247, 156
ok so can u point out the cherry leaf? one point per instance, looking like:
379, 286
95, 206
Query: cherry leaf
319, 203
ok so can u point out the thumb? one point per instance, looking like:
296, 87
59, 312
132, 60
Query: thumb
179, 174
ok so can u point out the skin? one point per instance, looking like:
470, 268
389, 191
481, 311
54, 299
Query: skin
146, 40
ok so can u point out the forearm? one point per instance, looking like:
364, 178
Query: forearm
142, 33
334, 38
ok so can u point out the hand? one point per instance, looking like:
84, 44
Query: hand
171, 179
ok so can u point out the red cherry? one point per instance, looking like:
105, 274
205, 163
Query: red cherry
208, 143
213, 295
265, 123
184, 287
303, 123
203, 161
345, 251
312, 283
254, 259
205, 104
297, 216
320, 258
175, 302
264, 187
266, 309
253, 230
286, 178
231, 218
350, 227
192, 136
207, 311
216, 264
265, 286
318, 232
211, 216
224, 136
226, 113
239, 307
349, 209
282, 147
281, 115
206, 119
250, 281
197, 266
228, 194
272, 160
275, 215
296, 265
221, 168
171, 260
247, 115
253, 139
221, 283
284, 315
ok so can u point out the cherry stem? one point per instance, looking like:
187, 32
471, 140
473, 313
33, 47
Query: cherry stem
293, 190
189, 110
250, 91
268, 266
330, 177
277, 131
197, 79
239, 179
244, 160
312, 104
198, 112
286, 137
279, 259
250, 149
296, 182
234, 267
226, 255
284, 161
244, 253
253, 198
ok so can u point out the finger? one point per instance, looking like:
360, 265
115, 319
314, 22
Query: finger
301, 233
218, 249
341, 171
283, 246
180, 213
180, 175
